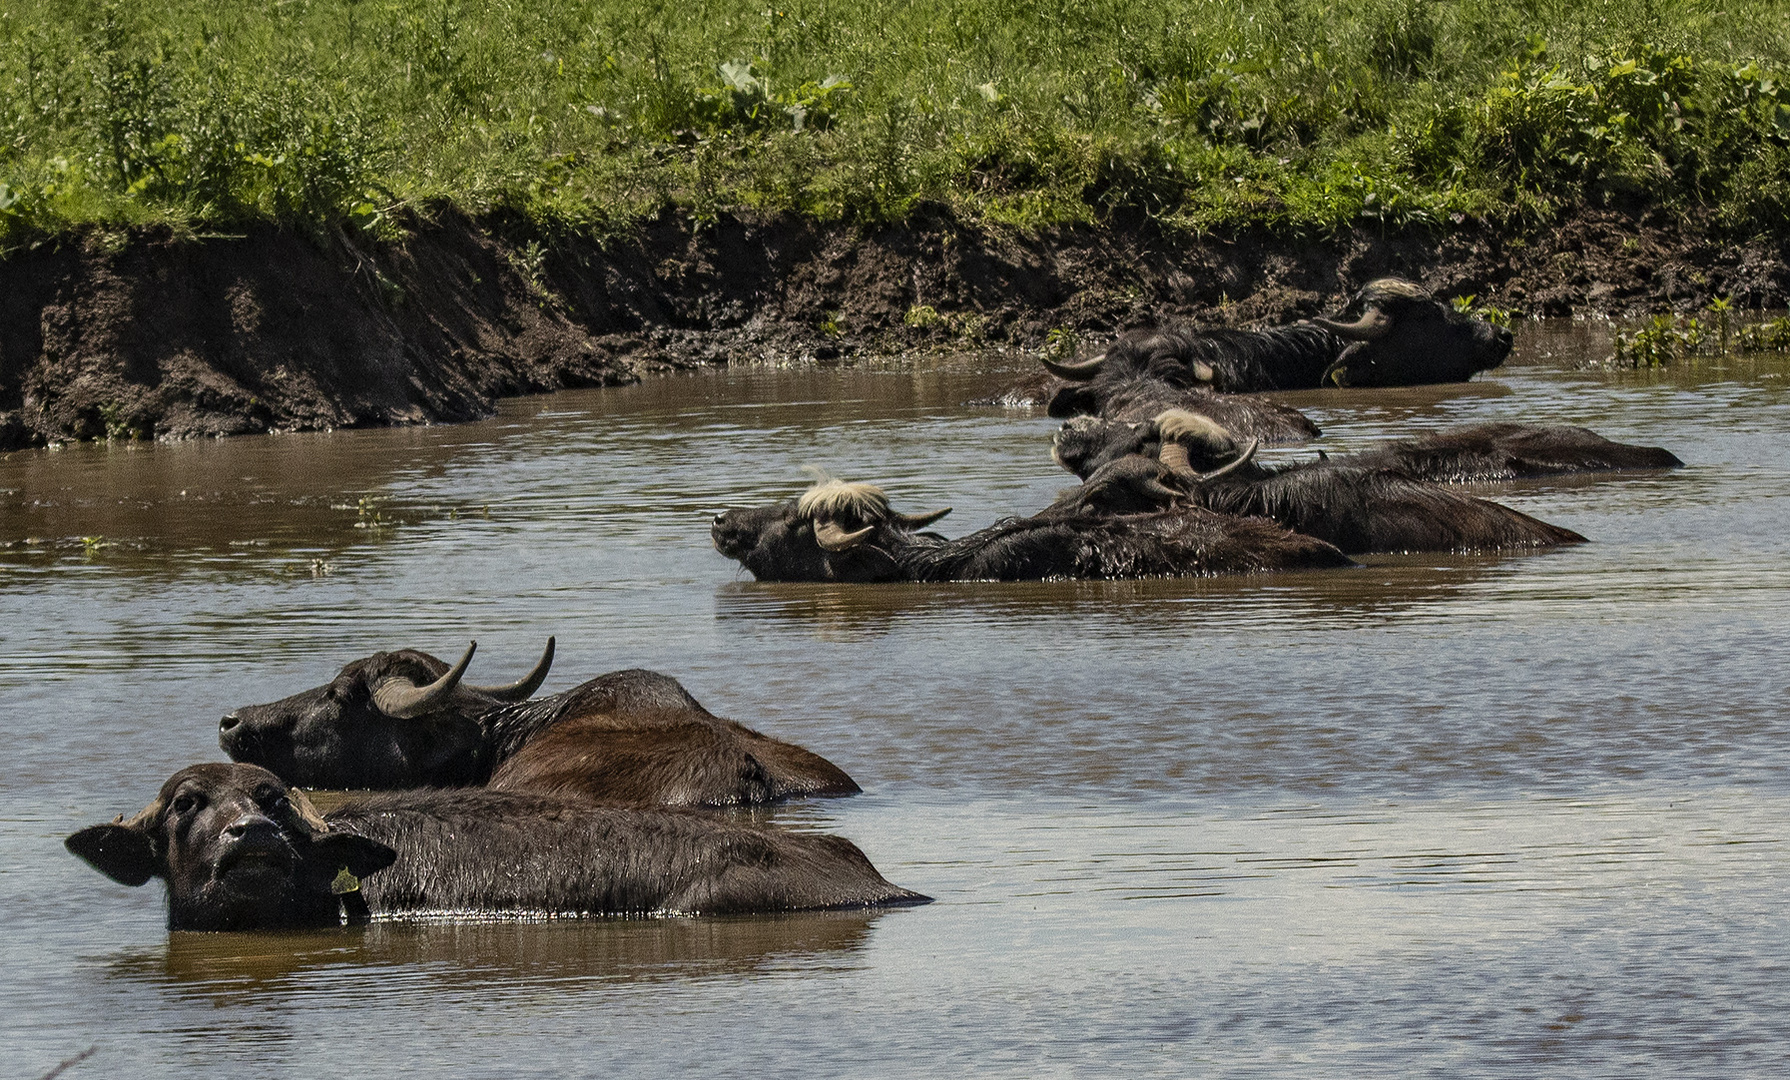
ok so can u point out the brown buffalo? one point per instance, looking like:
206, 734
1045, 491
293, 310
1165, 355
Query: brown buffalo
239, 850
407, 719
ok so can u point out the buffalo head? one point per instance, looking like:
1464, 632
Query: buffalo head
1193, 448
238, 850
393, 720
836, 531
1391, 334
1084, 443
1399, 336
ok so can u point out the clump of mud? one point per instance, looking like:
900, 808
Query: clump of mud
160, 337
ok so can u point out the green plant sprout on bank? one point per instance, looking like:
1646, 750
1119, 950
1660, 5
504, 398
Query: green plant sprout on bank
1302, 116
1468, 305
1061, 344
1667, 339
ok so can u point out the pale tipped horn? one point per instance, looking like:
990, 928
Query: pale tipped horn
1202, 372
831, 537
920, 521
527, 685
307, 811
1080, 372
1373, 323
144, 818
402, 699
1234, 464
1174, 458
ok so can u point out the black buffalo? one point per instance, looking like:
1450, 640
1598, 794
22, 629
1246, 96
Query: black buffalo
1248, 415
1476, 453
406, 719
1358, 508
1120, 524
1392, 334
239, 850
1489, 452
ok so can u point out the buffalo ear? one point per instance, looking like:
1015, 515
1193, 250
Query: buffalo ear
121, 853
1072, 400
360, 855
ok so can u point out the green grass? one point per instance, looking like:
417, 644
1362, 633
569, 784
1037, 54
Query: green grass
590, 115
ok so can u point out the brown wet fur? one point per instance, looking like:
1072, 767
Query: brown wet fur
667, 758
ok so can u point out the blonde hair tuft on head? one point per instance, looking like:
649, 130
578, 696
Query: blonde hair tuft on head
1180, 425
1388, 288
831, 497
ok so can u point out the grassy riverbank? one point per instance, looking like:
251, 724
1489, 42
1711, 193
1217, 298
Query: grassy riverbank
589, 115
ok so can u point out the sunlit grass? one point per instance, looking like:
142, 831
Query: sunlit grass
590, 115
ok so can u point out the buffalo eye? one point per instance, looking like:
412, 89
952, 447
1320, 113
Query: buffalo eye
187, 802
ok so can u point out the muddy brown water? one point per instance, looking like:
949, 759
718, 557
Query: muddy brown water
1439, 816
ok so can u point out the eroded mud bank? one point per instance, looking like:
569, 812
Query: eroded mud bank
164, 337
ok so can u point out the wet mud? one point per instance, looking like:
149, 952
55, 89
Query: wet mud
155, 336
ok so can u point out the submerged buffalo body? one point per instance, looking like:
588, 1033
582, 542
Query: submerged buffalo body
1369, 510
1489, 452
1359, 508
241, 851
405, 719
1392, 334
1248, 415
846, 532
1476, 453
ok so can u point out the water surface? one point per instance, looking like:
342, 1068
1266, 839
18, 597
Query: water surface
1443, 815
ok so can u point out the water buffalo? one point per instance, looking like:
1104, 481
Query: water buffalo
1477, 453
239, 850
1359, 509
1247, 415
1391, 334
1115, 526
1487, 452
405, 719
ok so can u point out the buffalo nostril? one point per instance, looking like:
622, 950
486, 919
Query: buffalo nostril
229, 723
242, 826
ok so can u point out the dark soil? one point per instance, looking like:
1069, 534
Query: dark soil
150, 336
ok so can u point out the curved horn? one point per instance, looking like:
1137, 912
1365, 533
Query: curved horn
1081, 372
307, 811
1373, 323
527, 685
1158, 489
402, 699
143, 819
1174, 458
831, 537
1234, 464
920, 521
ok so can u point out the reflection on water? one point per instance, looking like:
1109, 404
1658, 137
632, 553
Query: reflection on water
1445, 815
1397, 586
484, 958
